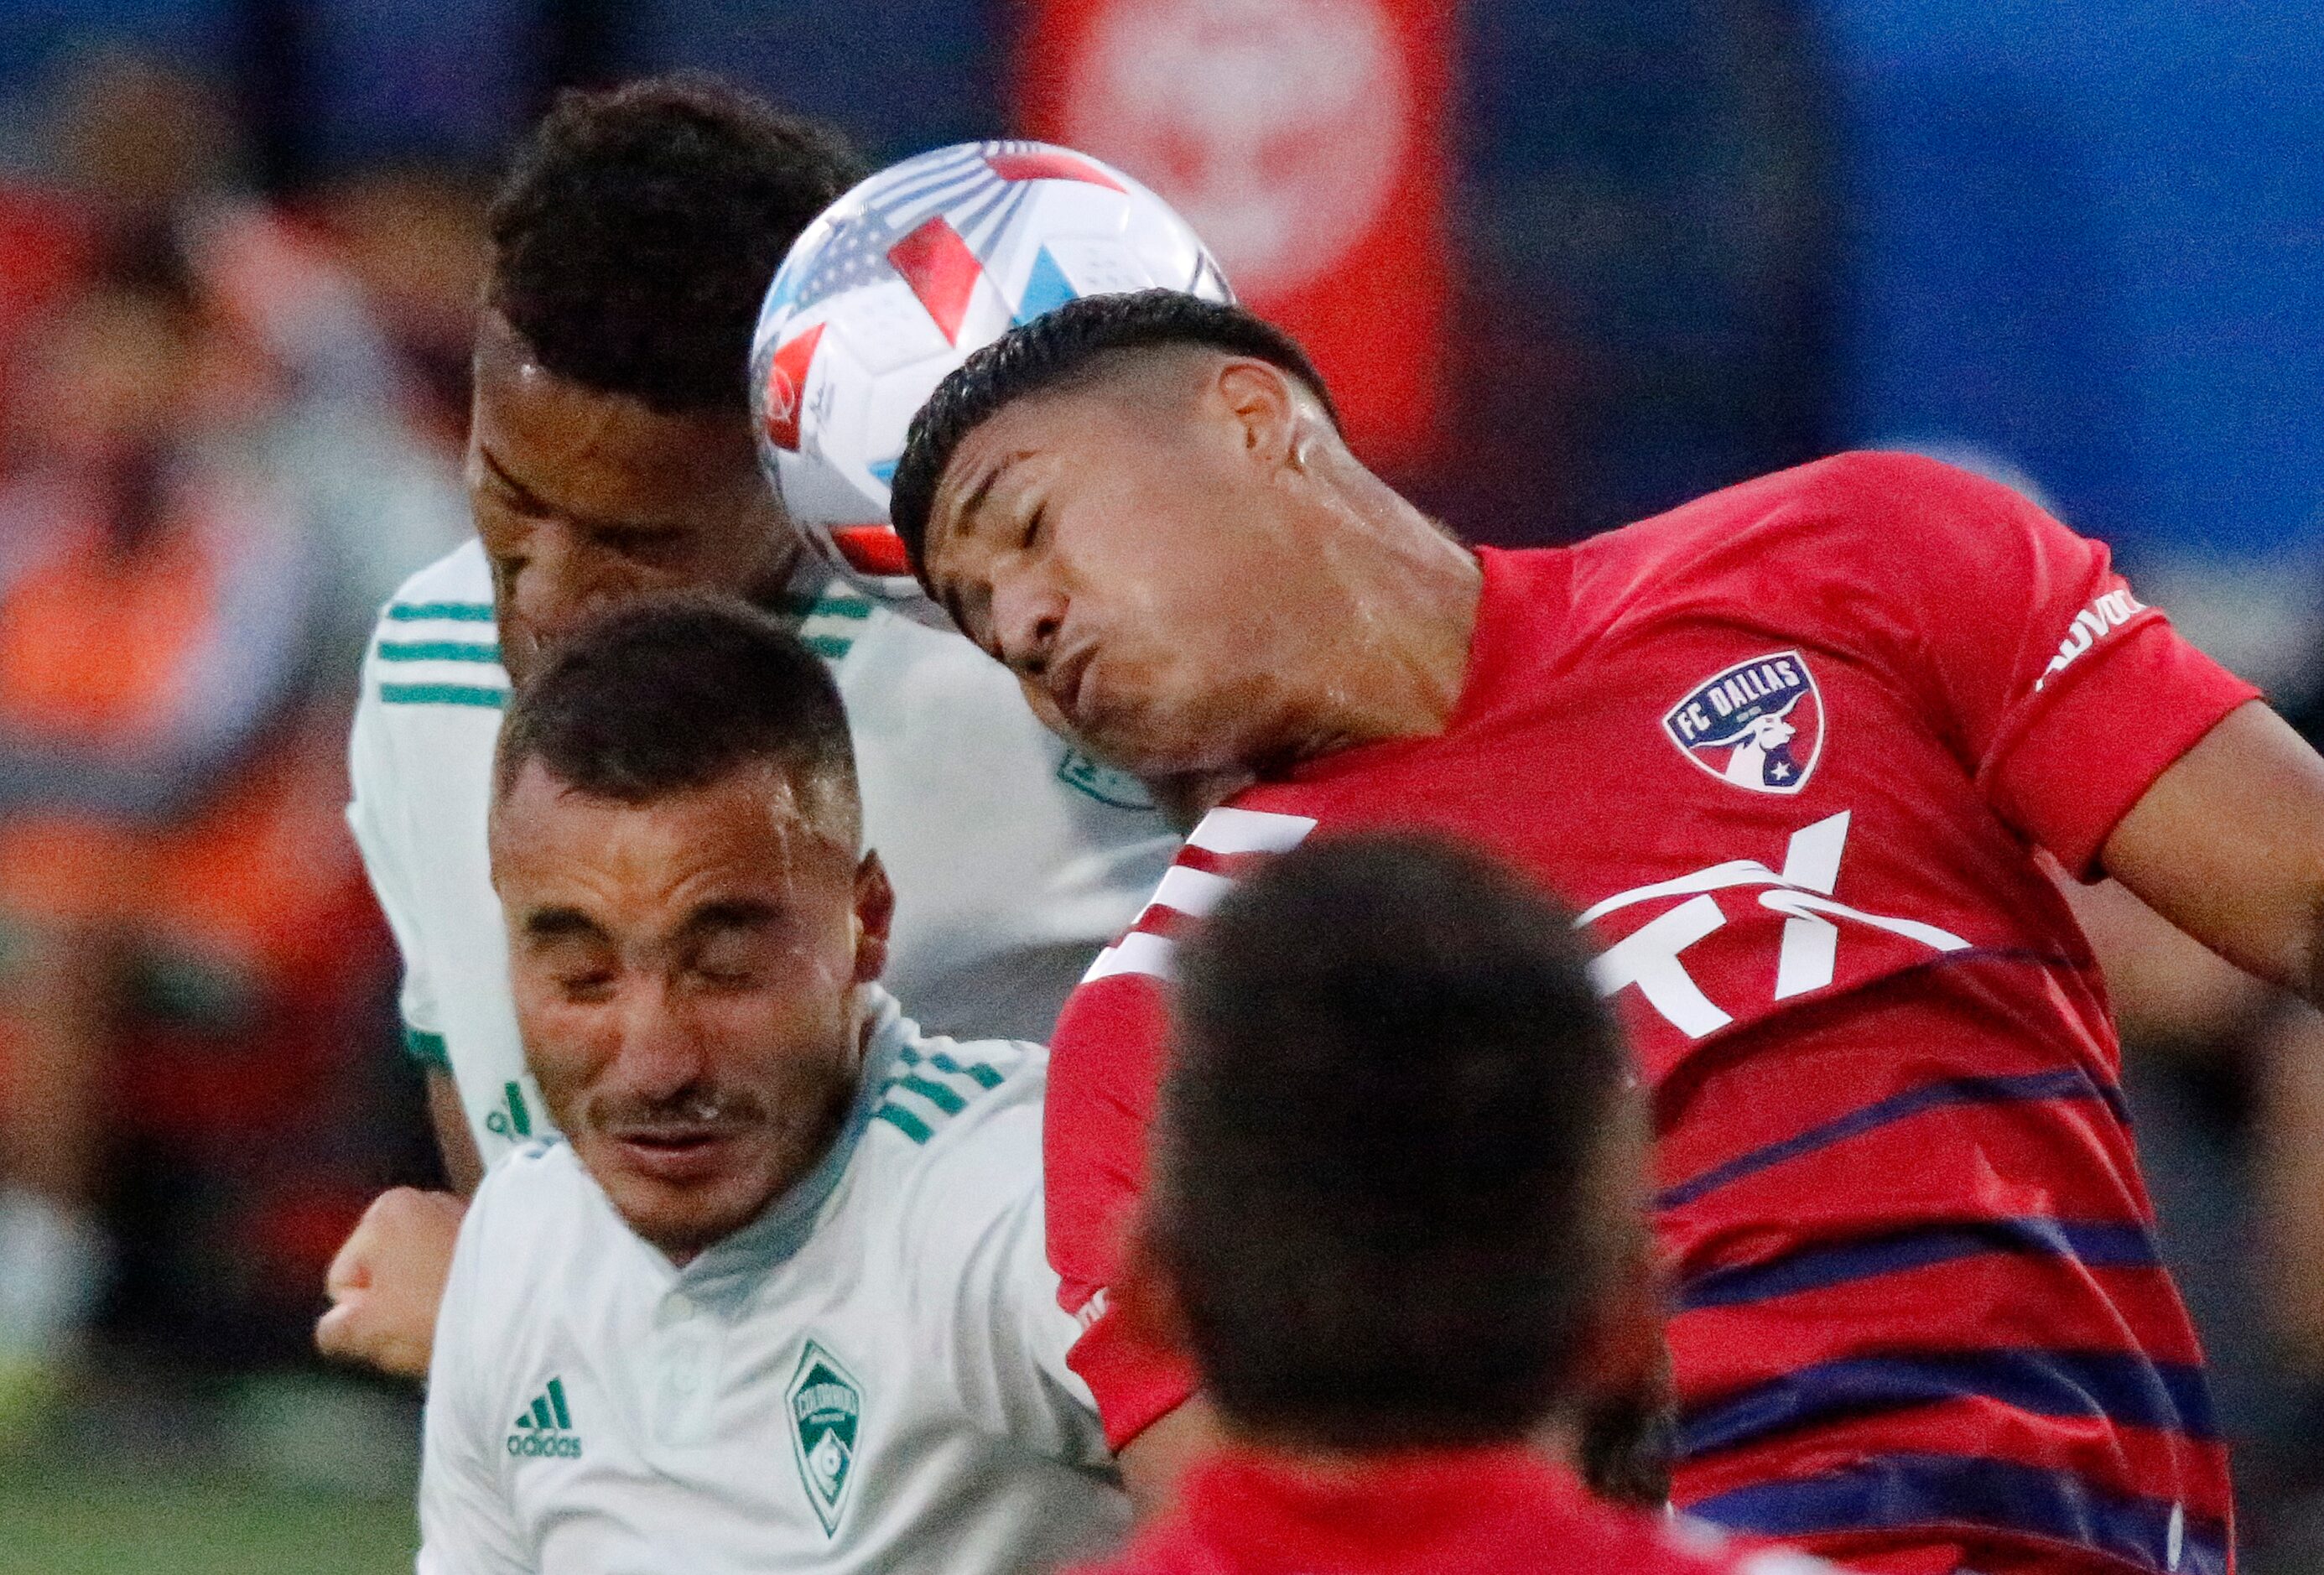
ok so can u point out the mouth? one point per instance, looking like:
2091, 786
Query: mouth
1067, 681
675, 1153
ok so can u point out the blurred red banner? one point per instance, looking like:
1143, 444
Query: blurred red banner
1305, 142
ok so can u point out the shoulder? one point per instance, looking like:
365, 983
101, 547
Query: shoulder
960, 1125
457, 588
1869, 518
532, 1205
436, 643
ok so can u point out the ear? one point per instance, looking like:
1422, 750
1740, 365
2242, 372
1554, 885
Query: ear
1266, 409
875, 912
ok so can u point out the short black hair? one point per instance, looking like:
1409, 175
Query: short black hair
1054, 347
672, 693
638, 228
1380, 1198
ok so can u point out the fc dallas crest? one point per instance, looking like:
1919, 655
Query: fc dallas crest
1759, 724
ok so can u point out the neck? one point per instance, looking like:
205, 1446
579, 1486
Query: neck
1393, 637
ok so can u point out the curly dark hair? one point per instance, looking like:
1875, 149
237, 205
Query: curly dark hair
1050, 349
638, 228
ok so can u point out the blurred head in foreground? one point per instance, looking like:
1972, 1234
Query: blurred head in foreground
676, 843
1397, 1202
610, 450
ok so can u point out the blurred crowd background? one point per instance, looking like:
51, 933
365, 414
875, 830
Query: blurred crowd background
1568, 261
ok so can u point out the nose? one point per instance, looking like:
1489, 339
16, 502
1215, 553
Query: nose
563, 582
1027, 614
661, 1053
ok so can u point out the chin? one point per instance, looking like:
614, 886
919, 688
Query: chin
683, 1221
1156, 745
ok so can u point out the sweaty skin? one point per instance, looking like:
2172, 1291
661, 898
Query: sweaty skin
685, 976
1230, 593
583, 500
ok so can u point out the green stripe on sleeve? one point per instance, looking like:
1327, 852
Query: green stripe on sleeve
976, 1072
841, 607
828, 647
904, 1121
936, 1093
436, 650
442, 694
432, 612
426, 1048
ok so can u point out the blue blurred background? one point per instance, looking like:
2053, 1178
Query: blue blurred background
2077, 243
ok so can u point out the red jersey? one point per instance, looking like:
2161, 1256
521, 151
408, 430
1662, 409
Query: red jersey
1464, 1511
1789, 751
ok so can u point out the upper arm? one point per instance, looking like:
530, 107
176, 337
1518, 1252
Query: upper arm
467, 1524
375, 815
2062, 696
456, 1140
2227, 843
1155, 1462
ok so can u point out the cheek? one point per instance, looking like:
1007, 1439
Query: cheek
567, 1045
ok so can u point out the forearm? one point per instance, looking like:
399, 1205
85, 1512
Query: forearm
464, 1167
1153, 1461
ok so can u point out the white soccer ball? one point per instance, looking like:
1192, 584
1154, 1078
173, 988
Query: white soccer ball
899, 281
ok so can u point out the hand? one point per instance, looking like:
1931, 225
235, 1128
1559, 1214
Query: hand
388, 1280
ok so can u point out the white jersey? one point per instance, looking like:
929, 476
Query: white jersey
1014, 858
872, 1376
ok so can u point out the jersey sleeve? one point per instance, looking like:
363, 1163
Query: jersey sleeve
466, 1526
976, 1248
375, 815
1105, 1072
2063, 695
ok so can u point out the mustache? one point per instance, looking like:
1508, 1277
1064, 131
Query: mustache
697, 1106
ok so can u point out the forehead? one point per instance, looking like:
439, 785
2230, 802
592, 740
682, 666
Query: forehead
602, 453
752, 828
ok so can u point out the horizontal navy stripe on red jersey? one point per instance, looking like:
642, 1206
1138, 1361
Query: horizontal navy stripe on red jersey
1992, 1495
2094, 1245
2070, 1082
2138, 1461
1998, 1302
2122, 1387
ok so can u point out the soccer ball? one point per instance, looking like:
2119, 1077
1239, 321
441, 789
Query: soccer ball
899, 281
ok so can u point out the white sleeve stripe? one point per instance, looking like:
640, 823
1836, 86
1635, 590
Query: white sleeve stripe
1249, 831
1139, 951
1193, 892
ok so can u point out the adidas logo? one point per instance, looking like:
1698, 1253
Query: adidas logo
547, 1429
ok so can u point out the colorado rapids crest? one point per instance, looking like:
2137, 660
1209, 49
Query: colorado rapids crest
1759, 724
826, 1404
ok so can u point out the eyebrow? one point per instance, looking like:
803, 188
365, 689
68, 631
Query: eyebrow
977, 496
561, 923
739, 913
501, 472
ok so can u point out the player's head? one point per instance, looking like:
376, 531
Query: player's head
1131, 502
674, 840
1397, 1201
611, 449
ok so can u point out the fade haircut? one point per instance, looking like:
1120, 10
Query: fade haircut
1050, 351
638, 228
672, 694
1381, 1196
